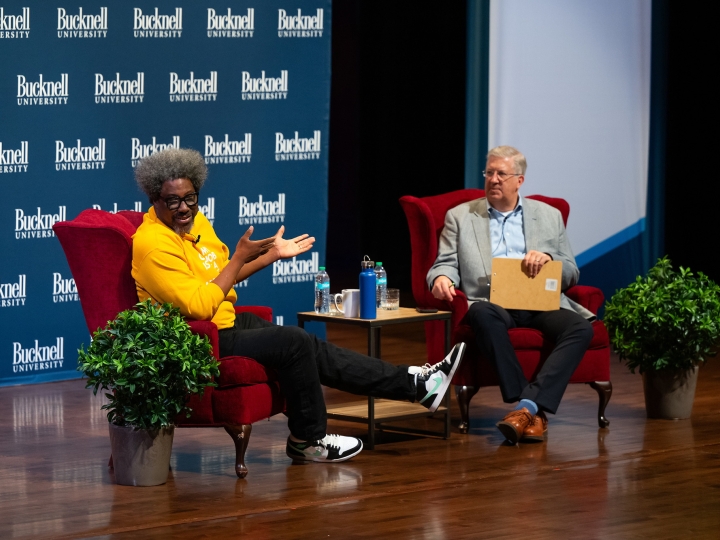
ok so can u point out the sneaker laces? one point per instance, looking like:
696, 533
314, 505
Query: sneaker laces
519, 412
330, 440
427, 369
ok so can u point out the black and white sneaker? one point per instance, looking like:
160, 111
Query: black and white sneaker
330, 449
433, 381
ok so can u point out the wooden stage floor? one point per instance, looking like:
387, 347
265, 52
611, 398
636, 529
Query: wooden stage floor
637, 479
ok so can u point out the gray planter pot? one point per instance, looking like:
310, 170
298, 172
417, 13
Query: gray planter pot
670, 394
141, 457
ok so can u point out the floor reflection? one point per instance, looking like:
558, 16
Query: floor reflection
98, 415
71, 473
327, 479
668, 433
35, 414
206, 460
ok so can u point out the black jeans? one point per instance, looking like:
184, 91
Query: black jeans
570, 332
303, 363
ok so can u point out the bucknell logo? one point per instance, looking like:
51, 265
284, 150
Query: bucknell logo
297, 148
193, 89
156, 25
14, 160
140, 150
208, 210
37, 225
302, 26
295, 271
227, 151
81, 25
64, 290
78, 157
265, 87
230, 26
137, 207
15, 26
14, 294
262, 211
42, 92
119, 90
37, 358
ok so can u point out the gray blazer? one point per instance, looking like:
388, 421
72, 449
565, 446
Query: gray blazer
465, 257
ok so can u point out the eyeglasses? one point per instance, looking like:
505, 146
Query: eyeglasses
502, 176
173, 203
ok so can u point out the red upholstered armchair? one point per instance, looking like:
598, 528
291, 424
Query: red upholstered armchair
426, 217
98, 247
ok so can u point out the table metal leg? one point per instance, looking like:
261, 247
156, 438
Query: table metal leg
371, 423
374, 342
448, 330
373, 351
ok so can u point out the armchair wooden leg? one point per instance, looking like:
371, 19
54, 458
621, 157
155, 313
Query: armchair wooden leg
240, 436
604, 390
464, 395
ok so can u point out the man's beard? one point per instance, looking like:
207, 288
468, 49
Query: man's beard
184, 229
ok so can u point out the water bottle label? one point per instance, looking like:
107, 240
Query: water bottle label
381, 281
322, 286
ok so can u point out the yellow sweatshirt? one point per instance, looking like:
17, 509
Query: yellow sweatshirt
171, 268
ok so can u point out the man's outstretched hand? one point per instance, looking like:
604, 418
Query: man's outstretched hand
248, 250
286, 248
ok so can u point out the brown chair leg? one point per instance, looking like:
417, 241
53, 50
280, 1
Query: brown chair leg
604, 390
240, 436
464, 395
110, 462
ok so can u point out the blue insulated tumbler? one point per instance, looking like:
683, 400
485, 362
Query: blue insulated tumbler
368, 304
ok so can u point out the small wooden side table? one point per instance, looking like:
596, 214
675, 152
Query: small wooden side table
382, 411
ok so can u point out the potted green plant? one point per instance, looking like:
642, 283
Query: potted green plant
665, 325
151, 363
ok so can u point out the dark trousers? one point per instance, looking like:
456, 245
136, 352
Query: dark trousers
303, 363
570, 332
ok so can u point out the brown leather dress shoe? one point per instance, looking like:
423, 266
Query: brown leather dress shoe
514, 424
536, 430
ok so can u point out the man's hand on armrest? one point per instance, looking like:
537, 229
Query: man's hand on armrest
443, 288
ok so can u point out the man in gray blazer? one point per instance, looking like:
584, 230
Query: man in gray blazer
503, 224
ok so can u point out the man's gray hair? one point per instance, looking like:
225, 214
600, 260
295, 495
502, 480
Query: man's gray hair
510, 152
169, 164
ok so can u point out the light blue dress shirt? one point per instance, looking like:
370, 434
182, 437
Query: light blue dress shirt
507, 238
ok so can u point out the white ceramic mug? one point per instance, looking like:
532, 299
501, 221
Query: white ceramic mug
350, 302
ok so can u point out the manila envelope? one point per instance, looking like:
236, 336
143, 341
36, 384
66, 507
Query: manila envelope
511, 288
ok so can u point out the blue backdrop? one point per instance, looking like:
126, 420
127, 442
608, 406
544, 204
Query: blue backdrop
88, 89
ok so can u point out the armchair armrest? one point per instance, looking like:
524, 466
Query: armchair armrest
264, 312
209, 329
458, 307
588, 297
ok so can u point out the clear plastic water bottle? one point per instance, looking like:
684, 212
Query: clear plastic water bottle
322, 291
380, 284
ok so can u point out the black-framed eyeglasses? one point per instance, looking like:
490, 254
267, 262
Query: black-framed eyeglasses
173, 203
502, 176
